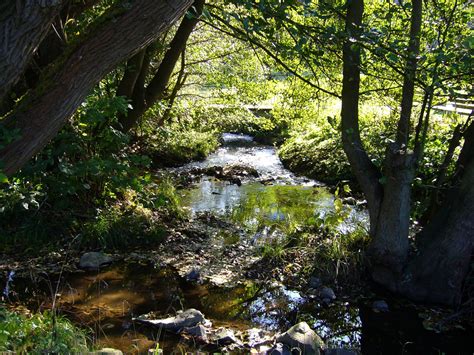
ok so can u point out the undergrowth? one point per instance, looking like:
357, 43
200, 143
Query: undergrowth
40, 334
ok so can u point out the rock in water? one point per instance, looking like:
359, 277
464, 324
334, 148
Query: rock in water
301, 336
94, 261
187, 319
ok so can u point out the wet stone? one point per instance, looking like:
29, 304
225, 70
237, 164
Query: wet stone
186, 319
302, 337
194, 275
94, 261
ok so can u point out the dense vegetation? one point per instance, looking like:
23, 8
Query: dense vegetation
352, 100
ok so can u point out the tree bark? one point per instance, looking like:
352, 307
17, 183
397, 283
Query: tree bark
182, 76
130, 76
23, 24
48, 109
156, 89
388, 250
438, 271
366, 173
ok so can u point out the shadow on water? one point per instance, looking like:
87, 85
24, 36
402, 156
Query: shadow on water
106, 302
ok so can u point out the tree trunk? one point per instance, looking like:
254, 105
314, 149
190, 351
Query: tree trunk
438, 271
156, 89
388, 250
23, 24
130, 76
48, 109
182, 76
364, 170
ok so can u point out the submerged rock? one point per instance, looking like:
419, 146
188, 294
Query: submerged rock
302, 337
187, 319
94, 261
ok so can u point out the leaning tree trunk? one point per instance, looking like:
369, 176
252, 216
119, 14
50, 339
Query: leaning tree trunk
45, 112
437, 273
23, 24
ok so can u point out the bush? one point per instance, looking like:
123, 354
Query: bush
135, 220
78, 177
40, 333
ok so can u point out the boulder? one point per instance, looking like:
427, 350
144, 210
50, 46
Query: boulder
187, 319
94, 261
302, 337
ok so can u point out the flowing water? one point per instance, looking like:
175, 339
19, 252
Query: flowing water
106, 301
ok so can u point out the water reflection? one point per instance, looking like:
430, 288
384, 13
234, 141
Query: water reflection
107, 301
259, 207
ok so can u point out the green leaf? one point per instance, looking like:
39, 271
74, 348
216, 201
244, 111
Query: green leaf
3, 178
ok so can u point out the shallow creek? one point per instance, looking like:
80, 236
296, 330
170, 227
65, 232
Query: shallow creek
106, 301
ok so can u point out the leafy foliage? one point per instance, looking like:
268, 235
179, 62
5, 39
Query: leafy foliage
40, 333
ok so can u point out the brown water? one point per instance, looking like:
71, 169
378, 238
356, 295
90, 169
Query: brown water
106, 302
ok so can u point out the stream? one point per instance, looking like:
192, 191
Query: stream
264, 203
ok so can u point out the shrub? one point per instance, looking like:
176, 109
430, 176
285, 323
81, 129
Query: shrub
40, 333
